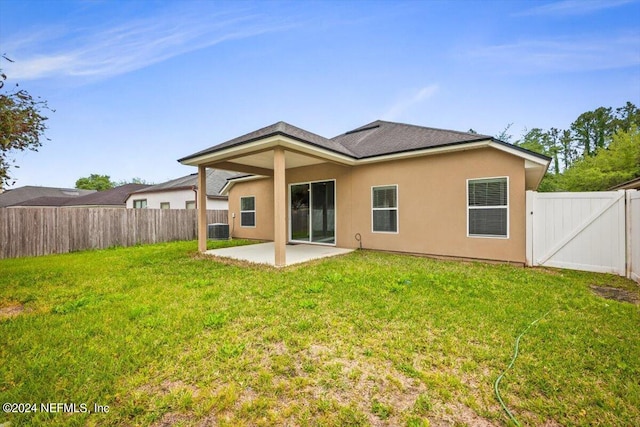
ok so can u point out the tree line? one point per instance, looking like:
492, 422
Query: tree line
600, 149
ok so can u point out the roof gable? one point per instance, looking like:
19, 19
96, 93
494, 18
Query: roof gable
216, 179
280, 128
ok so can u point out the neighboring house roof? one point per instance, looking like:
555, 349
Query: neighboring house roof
216, 179
115, 197
633, 184
21, 194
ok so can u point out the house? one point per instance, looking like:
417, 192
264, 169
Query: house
112, 198
384, 186
29, 192
180, 193
632, 184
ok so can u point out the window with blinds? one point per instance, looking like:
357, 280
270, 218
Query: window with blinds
384, 209
488, 207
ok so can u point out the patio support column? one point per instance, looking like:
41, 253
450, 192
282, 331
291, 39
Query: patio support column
202, 208
279, 207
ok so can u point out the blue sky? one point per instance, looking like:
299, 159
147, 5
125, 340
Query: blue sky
139, 84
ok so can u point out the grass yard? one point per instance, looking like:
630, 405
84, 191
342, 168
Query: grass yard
163, 336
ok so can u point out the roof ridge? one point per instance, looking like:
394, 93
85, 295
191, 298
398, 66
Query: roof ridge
434, 128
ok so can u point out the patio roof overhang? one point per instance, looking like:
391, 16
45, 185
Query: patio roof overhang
257, 157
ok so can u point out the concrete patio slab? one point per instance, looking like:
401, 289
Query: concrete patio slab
263, 253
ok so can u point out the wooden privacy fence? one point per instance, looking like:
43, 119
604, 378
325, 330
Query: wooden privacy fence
592, 231
44, 231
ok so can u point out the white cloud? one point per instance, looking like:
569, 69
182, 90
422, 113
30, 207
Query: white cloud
573, 7
397, 109
102, 52
568, 54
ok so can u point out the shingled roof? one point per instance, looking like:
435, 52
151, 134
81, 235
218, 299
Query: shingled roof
280, 128
28, 192
115, 197
216, 179
377, 138
380, 138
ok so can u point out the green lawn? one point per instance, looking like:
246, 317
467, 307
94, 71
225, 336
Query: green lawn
163, 336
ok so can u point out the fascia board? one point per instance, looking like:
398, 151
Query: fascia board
270, 142
227, 187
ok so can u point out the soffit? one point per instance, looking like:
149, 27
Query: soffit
265, 160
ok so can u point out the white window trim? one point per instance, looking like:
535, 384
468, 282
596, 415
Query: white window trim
335, 213
397, 209
146, 204
193, 202
255, 216
165, 203
488, 236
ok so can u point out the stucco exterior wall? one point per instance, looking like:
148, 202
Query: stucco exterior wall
176, 199
262, 190
432, 204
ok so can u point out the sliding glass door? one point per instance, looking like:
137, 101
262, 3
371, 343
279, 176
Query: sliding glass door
312, 212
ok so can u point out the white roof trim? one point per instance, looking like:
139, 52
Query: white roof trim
272, 141
535, 166
227, 187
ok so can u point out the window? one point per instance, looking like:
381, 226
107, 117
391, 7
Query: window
190, 204
140, 204
165, 205
384, 207
488, 207
248, 211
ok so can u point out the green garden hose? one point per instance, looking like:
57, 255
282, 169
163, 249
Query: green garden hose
513, 359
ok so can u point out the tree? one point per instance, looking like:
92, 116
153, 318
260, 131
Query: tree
504, 135
615, 165
22, 125
95, 182
593, 129
134, 180
627, 117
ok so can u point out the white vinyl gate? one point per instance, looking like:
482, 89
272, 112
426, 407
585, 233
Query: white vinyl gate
579, 231
633, 235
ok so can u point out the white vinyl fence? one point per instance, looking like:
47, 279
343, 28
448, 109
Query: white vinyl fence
594, 231
633, 235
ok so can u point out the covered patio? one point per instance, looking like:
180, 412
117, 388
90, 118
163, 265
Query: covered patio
264, 253
268, 152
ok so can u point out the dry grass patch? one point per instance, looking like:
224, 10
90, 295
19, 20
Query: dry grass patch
11, 309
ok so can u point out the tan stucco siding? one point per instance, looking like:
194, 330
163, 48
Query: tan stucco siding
432, 204
262, 190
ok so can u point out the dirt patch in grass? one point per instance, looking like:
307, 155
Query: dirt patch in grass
11, 310
171, 418
616, 294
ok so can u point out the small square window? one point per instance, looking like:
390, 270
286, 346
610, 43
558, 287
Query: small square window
165, 205
140, 204
190, 204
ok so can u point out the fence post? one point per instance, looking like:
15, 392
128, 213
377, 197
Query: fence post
530, 196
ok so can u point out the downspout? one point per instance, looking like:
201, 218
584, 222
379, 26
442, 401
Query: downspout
195, 190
